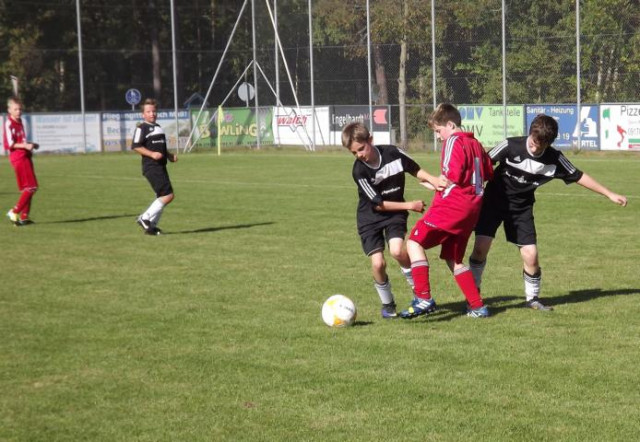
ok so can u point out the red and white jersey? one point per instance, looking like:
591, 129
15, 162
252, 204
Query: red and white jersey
467, 166
14, 132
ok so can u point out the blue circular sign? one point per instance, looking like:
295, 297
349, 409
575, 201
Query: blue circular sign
133, 96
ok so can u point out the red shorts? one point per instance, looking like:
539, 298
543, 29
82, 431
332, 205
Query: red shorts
25, 176
453, 245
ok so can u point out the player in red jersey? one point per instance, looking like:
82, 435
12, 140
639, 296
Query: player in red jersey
20, 152
453, 213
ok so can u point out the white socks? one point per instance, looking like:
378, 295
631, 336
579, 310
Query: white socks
384, 292
154, 212
407, 275
532, 284
477, 268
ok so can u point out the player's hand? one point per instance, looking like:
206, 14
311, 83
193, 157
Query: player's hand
428, 185
173, 158
618, 199
443, 183
417, 206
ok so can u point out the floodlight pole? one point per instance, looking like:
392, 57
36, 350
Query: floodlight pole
433, 65
313, 105
504, 71
81, 73
369, 66
578, 95
255, 70
175, 76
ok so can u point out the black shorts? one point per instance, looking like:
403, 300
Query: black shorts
519, 226
373, 238
159, 180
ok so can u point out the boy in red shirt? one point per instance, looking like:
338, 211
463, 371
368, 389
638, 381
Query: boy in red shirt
452, 215
20, 152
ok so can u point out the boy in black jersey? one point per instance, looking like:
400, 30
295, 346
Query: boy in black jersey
526, 163
150, 142
378, 171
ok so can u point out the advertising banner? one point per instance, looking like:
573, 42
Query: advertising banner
380, 127
118, 128
569, 124
293, 126
487, 123
239, 127
620, 126
62, 133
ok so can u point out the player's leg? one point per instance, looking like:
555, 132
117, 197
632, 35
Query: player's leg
422, 237
453, 252
373, 246
532, 277
28, 185
478, 258
521, 230
488, 223
395, 234
159, 180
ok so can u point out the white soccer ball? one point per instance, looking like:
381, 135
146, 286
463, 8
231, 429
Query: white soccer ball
339, 311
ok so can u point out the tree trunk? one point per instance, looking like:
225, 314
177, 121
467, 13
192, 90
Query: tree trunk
155, 50
381, 76
402, 80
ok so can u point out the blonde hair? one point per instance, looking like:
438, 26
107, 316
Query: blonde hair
355, 131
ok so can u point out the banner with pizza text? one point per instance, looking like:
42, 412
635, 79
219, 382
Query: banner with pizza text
620, 127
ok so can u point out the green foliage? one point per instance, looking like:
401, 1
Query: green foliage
213, 331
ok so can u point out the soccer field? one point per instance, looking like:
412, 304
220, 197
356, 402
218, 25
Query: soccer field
212, 331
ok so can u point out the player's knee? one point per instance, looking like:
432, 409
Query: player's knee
398, 253
378, 265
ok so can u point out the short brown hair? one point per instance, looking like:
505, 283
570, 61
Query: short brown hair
147, 102
355, 131
444, 113
544, 129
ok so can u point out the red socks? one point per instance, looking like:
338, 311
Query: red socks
420, 273
467, 284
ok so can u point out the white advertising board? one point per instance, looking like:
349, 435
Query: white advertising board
292, 126
62, 133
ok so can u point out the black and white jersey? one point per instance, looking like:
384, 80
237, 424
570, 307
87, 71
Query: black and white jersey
150, 136
383, 182
520, 173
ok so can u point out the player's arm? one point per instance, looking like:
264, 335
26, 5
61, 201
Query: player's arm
396, 206
429, 181
148, 153
25, 146
589, 183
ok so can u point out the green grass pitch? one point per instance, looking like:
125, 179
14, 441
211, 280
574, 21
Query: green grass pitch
212, 332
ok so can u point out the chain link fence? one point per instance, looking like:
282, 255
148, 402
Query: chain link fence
128, 45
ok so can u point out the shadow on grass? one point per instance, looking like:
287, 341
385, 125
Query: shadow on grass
362, 323
84, 220
215, 229
589, 294
452, 310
